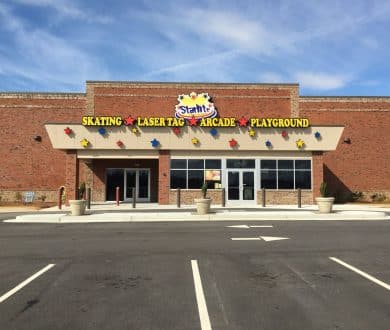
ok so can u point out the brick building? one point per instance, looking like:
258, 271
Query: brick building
157, 137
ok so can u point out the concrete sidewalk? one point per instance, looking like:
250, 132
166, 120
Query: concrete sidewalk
109, 212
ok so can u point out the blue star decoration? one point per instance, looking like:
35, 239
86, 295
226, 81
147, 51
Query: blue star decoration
214, 132
317, 135
155, 143
102, 131
268, 143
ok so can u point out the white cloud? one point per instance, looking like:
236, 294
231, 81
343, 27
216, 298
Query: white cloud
272, 77
45, 58
321, 80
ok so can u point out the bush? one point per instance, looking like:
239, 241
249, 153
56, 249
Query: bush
356, 195
378, 197
204, 190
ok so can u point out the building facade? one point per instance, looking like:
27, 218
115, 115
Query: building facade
150, 139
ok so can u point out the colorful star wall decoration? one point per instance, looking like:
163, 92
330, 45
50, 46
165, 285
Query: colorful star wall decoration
135, 130
193, 121
268, 144
252, 132
214, 132
84, 142
317, 135
243, 122
233, 143
129, 121
102, 131
155, 143
284, 134
68, 131
194, 141
300, 143
176, 130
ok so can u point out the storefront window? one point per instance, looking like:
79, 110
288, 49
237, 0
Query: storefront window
240, 163
191, 173
285, 174
178, 179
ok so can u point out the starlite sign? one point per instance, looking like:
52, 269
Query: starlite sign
195, 105
195, 110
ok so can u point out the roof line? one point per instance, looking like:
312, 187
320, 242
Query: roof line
186, 83
342, 96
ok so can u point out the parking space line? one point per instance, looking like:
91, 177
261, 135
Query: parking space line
24, 283
202, 307
361, 273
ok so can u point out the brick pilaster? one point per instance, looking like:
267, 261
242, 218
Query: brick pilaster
71, 174
318, 172
163, 176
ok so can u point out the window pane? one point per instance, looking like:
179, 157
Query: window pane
240, 163
195, 179
268, 179
196, 163
303, 179
268, 164
285, 180
178, 163
286, 164
178, 179
213, 164
302, 164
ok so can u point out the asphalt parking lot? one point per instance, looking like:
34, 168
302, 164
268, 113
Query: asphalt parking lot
194, 276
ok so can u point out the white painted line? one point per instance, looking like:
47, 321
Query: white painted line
361, 273
247, 227
202, 307
24, 283
246, 239
272, 238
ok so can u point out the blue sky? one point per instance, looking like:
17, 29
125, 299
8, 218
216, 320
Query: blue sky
328, 47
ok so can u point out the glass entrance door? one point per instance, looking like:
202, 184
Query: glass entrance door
137, 180
241, 185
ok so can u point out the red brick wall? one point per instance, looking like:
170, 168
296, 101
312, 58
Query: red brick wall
164, 177
362, 165
160, 100
27, 164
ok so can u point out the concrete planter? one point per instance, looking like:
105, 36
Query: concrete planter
203, 205
77, 206
325, 204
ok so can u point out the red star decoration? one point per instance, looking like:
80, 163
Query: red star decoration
176, 130
193, 121
232, 143
243, 122
67, 131
129, 121
119, 143
284, 134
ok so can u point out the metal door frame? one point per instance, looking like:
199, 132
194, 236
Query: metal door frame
137, 170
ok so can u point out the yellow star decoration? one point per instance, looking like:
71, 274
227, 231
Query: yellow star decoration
134, 130
194, 141
300, 143
84, 142
252, 132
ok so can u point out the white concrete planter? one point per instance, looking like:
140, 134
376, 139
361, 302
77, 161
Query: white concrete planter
325, 204
203, 205
77, 206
